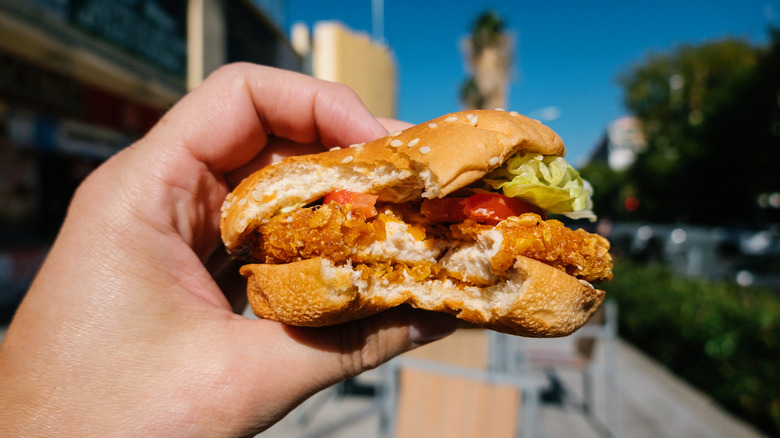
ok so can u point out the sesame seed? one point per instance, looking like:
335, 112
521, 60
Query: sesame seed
242, 202
335, 148
348, 159
431, 125
473, 120
494, 161
451, 119
413, 142
257, 196
395, 134
500, 109
424, 150
469, 116
395, 143
358, 147
514, 113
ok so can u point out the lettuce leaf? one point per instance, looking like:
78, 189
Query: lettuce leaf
546, 181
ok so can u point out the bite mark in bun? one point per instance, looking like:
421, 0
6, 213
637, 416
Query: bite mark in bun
422, 217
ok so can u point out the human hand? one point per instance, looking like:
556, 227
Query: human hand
130, 327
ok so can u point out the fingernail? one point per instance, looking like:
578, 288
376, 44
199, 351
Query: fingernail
430, 326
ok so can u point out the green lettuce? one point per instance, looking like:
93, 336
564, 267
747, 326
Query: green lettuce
546, 181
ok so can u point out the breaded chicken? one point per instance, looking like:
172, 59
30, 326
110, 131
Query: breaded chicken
344, 235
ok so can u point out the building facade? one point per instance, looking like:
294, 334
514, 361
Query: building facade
338, 54
623, 139
83, 79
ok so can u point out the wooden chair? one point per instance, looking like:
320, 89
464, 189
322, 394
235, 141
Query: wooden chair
450, 389
469, 348
433, 404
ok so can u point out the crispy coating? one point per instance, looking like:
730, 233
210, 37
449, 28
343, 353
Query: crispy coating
581, 254
331, 231
336, 232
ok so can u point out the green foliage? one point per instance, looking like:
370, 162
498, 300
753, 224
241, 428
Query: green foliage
713, 130
722, 338
488, 29
485, 87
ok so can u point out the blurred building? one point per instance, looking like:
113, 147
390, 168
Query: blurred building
220, 32
82, 79
623, 140
335, 53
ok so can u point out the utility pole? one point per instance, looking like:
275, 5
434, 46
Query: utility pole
378, 20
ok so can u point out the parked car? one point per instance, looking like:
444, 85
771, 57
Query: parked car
748, 257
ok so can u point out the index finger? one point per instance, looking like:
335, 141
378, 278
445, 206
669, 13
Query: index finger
228, 120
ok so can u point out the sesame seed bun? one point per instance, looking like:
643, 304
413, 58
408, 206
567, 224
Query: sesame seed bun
430, 160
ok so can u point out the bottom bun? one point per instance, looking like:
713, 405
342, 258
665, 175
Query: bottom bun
536, 300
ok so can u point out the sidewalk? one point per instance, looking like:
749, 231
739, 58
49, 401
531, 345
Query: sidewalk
653, 403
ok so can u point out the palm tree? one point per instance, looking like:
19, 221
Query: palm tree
488, 51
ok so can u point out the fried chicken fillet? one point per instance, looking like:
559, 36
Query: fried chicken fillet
396, 242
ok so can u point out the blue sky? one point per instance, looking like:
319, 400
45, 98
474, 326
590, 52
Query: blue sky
568, 54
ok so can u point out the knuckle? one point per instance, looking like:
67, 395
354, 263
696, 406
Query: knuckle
362, 347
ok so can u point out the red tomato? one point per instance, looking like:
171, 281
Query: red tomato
486, 208
492, 208
362, 201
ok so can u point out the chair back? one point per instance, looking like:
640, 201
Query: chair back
433, 404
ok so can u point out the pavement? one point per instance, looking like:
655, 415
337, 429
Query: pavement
652, 402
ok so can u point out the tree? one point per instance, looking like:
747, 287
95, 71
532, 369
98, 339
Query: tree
711, 118
488, 53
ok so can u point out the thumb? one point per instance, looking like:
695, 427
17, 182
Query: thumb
280, 366
343, 351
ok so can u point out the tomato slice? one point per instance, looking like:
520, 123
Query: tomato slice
486, 208
492, 208
362, 201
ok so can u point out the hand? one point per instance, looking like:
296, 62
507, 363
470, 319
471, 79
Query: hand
131, 326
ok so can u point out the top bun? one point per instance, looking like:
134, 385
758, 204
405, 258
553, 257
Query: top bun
429, 160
